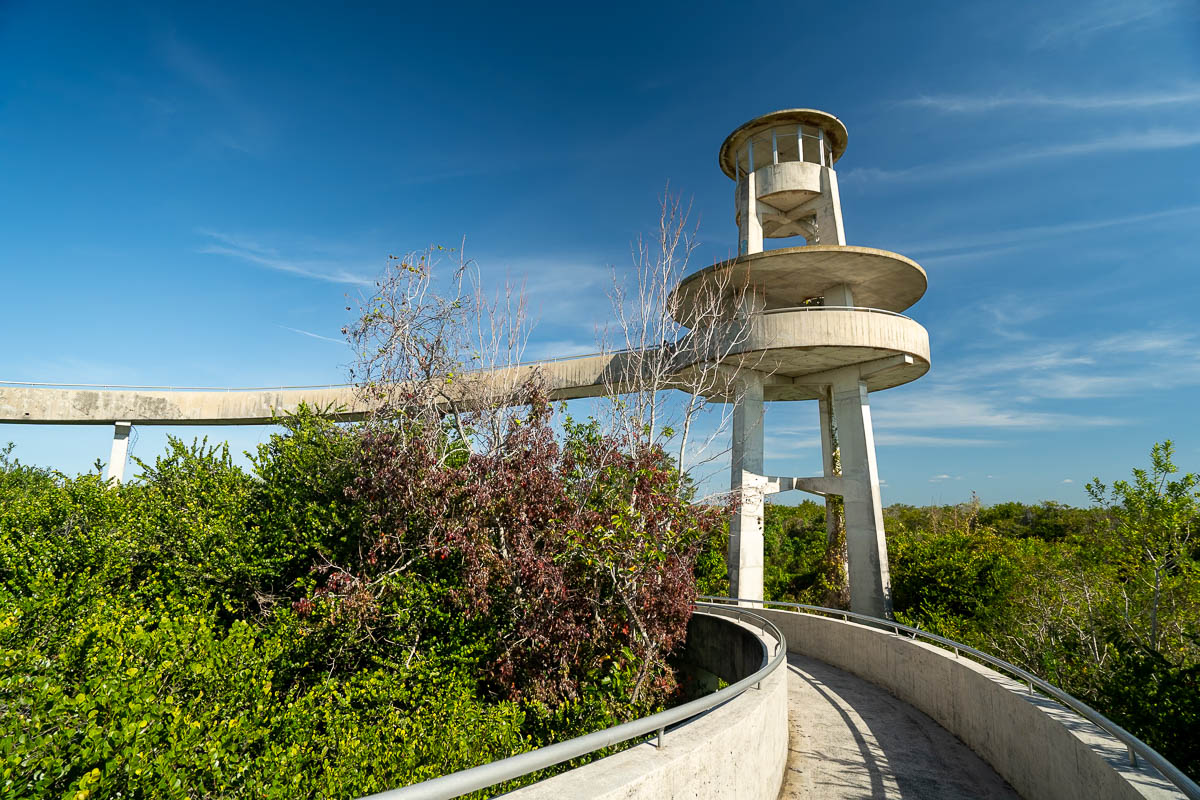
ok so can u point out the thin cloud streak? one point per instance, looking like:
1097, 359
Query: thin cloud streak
313, 335
1132, 101
241, 125
973, 249
921, 440
1123, 364
950, 408
255, 253
1104, 17
1018, 238
1125, 142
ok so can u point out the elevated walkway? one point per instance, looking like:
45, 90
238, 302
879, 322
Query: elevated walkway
848, 738
844, 709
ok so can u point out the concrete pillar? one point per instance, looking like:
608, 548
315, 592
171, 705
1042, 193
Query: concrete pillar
829, 212
825, 404
866, 547
120, 452
839, 295
746, 526
750, 233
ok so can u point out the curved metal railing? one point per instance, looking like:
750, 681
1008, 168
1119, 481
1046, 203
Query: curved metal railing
1137, 748
507, 769
865, 309
107, 386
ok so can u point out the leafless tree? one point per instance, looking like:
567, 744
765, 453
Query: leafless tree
427, 351
676, 354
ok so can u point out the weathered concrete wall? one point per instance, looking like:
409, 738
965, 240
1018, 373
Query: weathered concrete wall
1041, 748
564, 380
798, 343
836, 328
716, 645
736, 751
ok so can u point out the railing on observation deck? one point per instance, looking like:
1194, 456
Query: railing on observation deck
280, 388
865, 309
1137, 748
507, 769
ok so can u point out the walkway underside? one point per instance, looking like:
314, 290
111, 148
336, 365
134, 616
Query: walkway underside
852, 739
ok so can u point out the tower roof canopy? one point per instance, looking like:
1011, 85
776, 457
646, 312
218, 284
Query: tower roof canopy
832, 126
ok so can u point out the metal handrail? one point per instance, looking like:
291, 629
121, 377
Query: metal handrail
106, 386
834, 308
531, 363
486, 775
35, 384
1137, 748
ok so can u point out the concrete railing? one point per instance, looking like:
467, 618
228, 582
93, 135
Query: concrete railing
1042, 748
700, 750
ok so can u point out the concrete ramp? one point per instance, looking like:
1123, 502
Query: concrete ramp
851, 739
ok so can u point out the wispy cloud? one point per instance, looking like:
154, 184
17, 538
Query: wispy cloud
1187, 95
238, 124
1083, 366
1123, 142
254, 252
313, 335
1081, 24
1020, 238
922, 440
941, 408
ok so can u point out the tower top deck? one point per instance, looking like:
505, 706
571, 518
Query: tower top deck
815, 136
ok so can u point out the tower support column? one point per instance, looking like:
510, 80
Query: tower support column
746, 526
750, 231
866, 547
829, 214
829, 468
120, 452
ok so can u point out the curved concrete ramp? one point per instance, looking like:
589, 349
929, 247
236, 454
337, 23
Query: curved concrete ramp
851, 739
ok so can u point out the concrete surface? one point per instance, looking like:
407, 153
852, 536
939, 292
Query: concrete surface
786, 346
791, 275
745, 554
1044, 751
736, 751
119, 456
851, 739
831, 125
866, 543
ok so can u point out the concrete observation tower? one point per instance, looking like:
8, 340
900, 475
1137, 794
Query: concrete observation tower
822, 322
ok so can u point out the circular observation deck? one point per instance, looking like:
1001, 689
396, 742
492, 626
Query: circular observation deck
792, 134
797, 276
791, 344
791, 333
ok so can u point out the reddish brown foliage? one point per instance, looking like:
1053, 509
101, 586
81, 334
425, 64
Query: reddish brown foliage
580, 554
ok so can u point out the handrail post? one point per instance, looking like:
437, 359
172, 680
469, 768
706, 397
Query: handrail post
660, 738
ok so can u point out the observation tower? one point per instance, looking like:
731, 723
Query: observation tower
820, 322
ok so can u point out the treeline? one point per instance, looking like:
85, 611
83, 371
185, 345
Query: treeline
362, 609
1102, 601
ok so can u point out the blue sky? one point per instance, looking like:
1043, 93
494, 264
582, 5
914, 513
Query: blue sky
188, 194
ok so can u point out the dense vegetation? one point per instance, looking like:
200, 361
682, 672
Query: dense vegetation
356, 612
1102, 601
373, 605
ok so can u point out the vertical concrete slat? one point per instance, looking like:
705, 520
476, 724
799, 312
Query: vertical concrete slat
746, 525
866, 547
120, 452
